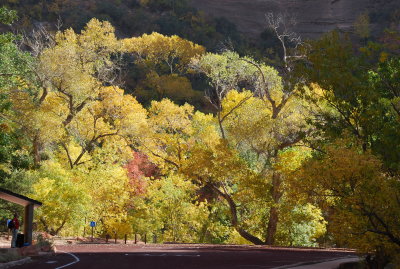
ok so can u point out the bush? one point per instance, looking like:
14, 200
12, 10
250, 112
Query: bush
8, 257
44, 242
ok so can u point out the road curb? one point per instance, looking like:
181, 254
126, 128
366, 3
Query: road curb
315, 262
15, 263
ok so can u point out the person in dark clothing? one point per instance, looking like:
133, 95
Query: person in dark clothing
14, 230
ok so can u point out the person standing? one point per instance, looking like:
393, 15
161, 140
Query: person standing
14, 230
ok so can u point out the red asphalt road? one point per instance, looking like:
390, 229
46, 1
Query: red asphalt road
119, 256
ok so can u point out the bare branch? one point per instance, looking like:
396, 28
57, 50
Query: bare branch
282, 25
38, 40
68, 155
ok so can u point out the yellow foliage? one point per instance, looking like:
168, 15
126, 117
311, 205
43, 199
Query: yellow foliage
120, 226
107, 185
292, 159
366, 212
76, 65
169, 139
170, 208
205, 130
251, 125
156, 48
171, 86
64, 201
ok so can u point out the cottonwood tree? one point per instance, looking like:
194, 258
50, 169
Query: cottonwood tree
164, 60
358, 100
228, 71
365, 200
156, 49
85, 125
237, 168
69, 72
169, 139
77, 100
275, 114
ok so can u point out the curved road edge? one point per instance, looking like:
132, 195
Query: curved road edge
71, 263
327, 264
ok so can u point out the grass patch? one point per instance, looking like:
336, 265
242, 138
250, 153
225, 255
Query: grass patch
8, 257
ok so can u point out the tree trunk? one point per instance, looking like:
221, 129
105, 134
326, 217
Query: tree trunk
43, 221
276, 194
220, 125
234, 218
272, 226
36, 151
59, 228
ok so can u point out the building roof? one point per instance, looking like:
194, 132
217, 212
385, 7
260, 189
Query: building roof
18, 198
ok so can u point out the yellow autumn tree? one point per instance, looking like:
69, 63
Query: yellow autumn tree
170, 211
69, 74
107, 183
164, 62
169, 138
363, 198
260, 124
65, 202
154, 49
76, 109
86, 129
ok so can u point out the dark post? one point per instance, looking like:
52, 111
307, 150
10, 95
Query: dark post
115, 233
84, 228
154, 238
125, 238
145, 238
92, 233
135, 238
28, 223
107, 237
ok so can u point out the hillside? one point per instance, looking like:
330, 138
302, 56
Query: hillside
314, 17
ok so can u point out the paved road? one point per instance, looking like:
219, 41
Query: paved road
177, 256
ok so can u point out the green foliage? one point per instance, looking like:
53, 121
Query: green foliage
359, 96
7, 16
15, 74
177, 6
14, 63
302, 226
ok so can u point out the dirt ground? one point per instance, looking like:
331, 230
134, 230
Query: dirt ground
5, 240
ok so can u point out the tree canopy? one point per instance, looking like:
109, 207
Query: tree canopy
304, 153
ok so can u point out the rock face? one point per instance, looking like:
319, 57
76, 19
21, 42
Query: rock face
314, 17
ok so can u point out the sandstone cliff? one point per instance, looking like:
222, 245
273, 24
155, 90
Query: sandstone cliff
314, 17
